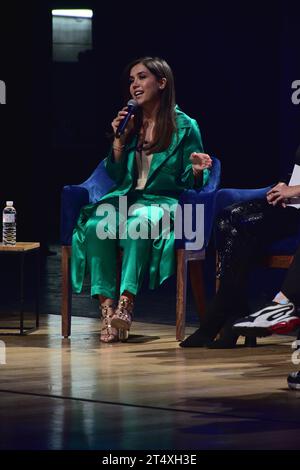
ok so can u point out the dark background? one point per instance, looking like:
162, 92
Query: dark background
233, 68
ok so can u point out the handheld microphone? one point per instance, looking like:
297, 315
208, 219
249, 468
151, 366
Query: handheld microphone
132, 107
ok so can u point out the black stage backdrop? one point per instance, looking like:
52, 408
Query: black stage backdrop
234, 67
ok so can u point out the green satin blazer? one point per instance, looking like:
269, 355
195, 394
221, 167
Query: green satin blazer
170, 173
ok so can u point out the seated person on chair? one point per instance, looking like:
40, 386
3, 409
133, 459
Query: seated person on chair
243, 230
158, 156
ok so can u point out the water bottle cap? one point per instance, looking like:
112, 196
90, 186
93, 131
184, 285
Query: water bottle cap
9, 203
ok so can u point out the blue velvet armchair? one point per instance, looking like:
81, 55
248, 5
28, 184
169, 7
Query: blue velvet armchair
76, 196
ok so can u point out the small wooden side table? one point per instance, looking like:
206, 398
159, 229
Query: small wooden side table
21, 249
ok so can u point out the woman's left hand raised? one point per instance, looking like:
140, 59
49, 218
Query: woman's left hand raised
200, 161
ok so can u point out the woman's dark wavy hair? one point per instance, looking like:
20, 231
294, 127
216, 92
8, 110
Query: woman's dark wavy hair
166, 123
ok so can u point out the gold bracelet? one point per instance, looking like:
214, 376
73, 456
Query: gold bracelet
119, 149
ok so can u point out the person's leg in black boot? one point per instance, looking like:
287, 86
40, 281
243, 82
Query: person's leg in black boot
215, 318
227, 338
230, 297
242, 231
225, 307
236, 247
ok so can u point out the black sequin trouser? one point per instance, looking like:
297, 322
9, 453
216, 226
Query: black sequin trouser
242, 232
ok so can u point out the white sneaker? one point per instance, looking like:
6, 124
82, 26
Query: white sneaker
293, 380
273, 318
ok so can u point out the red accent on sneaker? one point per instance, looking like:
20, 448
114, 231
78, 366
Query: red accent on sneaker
285, 327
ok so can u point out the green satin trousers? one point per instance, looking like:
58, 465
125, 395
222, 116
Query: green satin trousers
102, 254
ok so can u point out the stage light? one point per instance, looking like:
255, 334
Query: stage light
73, 13
71, 34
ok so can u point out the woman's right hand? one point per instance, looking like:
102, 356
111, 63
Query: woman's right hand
282, 192
116, 122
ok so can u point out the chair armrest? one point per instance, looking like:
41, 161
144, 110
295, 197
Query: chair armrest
227, 196
73, 198
98, 184
198, 214
193, 218
214, 177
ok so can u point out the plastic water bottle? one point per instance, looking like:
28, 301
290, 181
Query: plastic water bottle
9, 224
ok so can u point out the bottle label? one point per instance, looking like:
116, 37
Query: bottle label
9, 218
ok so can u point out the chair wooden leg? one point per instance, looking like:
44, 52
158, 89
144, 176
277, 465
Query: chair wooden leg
197, 282
217, 279
66, 305
181, 294
119, 272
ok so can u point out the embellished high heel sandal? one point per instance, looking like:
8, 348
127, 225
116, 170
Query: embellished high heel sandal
108, 334
122, 318
123, 335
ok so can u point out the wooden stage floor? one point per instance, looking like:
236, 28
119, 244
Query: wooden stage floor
146, 394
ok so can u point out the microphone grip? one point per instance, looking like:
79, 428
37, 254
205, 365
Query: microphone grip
122, 126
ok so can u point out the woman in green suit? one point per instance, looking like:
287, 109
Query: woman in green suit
159, 155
